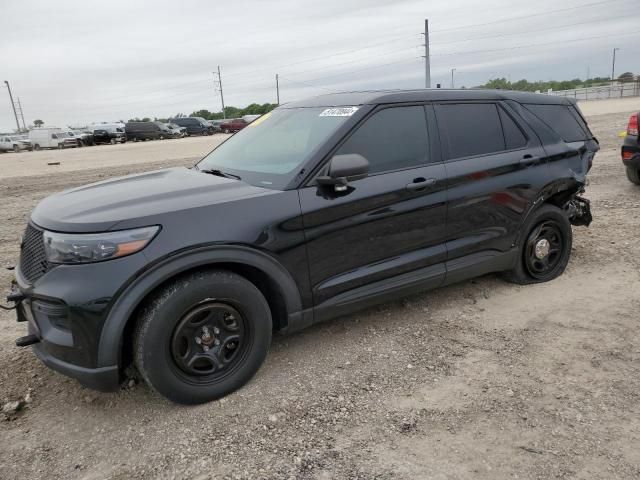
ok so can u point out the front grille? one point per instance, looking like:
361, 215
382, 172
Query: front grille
33, 260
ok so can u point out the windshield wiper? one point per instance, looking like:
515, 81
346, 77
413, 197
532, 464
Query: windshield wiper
220, 173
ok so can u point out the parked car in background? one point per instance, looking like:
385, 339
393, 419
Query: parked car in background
165, 131
400, 192
84, 137
250, 118
194, 125
215, 124
51, 137
144, 131
13, 143
101, 137
234, 125
113, 128
631, 150
177, 130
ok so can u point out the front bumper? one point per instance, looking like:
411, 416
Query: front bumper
66, 310
104, 379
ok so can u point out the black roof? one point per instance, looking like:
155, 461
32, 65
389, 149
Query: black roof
374, 97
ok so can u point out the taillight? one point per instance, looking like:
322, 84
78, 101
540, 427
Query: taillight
626, 155
632, 128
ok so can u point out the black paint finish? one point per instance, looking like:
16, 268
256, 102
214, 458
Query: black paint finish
317, 252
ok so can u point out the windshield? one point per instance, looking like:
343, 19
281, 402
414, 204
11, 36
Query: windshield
270, 149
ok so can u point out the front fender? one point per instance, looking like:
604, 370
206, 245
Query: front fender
110, 346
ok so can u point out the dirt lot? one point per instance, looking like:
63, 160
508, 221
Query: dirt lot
478, 380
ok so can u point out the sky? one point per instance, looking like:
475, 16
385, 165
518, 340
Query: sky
75, 62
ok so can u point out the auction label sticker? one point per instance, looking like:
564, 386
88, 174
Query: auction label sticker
338, 112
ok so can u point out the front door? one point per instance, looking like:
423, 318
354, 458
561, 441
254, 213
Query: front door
387, 232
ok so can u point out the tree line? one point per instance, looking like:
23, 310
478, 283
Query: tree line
527, 86
229, 112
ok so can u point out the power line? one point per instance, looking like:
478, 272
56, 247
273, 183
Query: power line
533, 45
528, 16
524, 32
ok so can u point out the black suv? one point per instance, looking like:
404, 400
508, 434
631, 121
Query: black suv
194, 125
631, 150
319, 208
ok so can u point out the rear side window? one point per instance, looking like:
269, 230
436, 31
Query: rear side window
513, 136
560, 119
470, 129
391, 139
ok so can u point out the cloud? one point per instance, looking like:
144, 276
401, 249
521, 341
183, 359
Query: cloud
70, 64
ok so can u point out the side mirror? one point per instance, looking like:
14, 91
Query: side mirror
344, 169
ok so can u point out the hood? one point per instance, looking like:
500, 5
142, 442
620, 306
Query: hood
139, 198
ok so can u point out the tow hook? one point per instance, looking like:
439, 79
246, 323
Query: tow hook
15, 297
579, 210
27, 340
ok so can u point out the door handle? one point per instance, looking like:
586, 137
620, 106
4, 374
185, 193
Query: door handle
528, 160
421, 183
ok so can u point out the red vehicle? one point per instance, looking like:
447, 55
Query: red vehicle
233, 125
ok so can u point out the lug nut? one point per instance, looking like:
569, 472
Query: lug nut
198, 340
216, 330
205, 348
216, 342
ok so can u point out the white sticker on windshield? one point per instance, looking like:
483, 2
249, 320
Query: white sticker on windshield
339, 112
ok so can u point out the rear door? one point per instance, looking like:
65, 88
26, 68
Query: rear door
387, 232
495, 167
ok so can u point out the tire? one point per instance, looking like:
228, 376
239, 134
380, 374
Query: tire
161, 137
113, 141
633, 174
60, 146
548, 223
226, 130
36, 147
172, 360
16, 149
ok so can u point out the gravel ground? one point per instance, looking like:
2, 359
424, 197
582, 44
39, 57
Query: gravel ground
483, 379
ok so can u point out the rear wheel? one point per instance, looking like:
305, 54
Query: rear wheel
202, 336
545, 247
36, 147
633, 174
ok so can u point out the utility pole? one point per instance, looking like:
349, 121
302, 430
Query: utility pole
452, 70
24, 126
427, 59
277, 90
613, 66
13, 105
224, 115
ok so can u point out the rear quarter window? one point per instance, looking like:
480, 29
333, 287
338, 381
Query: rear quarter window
562, 120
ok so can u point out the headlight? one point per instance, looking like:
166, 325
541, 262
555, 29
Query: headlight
96, 247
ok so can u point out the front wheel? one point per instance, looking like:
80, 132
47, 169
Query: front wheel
545, 247
16, 149
202, 336
633, 174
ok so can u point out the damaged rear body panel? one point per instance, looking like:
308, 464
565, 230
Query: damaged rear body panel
570, 147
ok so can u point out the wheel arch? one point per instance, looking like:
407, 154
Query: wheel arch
264, 271
556, 193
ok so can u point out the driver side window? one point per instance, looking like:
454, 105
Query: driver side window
391, 139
